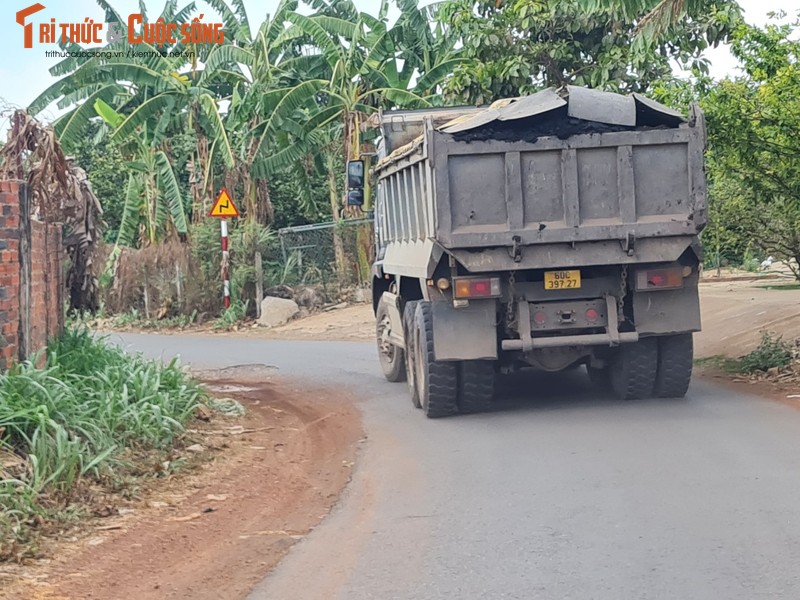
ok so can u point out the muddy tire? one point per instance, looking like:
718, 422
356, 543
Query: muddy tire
475, 385
436, 382
409, 311
633, 369
392, 358
675, 361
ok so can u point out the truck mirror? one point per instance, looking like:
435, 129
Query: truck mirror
355, 174
355, 198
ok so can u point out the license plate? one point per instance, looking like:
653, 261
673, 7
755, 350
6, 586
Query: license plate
562, 280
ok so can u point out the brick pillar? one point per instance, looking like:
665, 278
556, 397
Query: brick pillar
9, 272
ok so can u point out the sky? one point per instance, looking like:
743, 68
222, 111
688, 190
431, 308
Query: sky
24, 72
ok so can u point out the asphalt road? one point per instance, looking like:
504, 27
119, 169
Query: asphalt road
559, 494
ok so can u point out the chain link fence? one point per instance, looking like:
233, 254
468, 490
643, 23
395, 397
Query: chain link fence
332, 254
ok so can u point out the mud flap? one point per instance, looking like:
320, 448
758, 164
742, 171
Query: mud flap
667, 311
468, 333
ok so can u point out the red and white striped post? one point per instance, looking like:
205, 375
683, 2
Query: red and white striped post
226, 280
223, 208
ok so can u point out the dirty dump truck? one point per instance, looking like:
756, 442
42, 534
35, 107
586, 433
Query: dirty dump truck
550, 231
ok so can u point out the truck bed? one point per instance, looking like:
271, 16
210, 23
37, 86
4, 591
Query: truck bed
627, 187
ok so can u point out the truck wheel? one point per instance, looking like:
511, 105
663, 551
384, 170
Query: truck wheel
437, 382
675, 358
408, 331
475, 385
392, 358
633, 369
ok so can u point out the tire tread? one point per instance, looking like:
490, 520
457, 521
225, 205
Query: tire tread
475, 386
675, 362
634, 372
442, 377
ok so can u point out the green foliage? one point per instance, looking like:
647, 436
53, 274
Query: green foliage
233, 315
519, 47
76, 420
754, 128
656, 19
773, 352
106, 169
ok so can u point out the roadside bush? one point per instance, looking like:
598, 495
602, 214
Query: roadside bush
78, 421
772, 352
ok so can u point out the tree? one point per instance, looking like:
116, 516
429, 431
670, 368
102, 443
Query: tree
754, 131
107, 172
655, 17
142, 101
520, 47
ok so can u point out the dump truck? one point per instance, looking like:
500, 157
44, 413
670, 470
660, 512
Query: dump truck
549, 231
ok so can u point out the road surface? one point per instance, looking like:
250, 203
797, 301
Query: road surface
559, 494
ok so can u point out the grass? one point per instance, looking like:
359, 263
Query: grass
773, 352
786, 286
232, 315
77, 422
719, 362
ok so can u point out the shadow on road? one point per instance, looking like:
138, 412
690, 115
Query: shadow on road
531, 390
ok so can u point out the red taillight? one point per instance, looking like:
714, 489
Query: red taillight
539, 318
481, 288
660, 279
592, 315
474, 287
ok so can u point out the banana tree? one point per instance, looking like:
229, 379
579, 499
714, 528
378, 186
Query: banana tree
266, 74
154, 207
157, 95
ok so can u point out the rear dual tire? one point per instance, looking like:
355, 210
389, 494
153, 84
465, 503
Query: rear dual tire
675, 362
633, 369
436, 381
439, 388
475, 386
659, 367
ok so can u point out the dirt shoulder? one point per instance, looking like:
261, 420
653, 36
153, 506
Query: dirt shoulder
355, 322
735, 313
270, 477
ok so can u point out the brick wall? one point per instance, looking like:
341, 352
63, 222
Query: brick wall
31, 278
9, 272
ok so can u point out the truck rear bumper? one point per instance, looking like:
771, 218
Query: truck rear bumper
527, 342
595, 339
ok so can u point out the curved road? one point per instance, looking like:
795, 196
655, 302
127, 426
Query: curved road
559, 494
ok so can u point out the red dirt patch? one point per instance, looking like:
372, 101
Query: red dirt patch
216, 533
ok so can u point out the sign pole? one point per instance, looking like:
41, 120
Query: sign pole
226, 282
222, 209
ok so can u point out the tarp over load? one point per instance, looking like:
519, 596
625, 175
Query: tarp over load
561, 112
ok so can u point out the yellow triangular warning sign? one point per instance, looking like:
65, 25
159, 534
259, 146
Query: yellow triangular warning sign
224, 206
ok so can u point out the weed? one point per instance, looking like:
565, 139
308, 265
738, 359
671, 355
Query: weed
233, 315
73, 422
126, 319
772, 352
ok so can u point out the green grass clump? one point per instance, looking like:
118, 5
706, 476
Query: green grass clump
772, 352
74, 422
